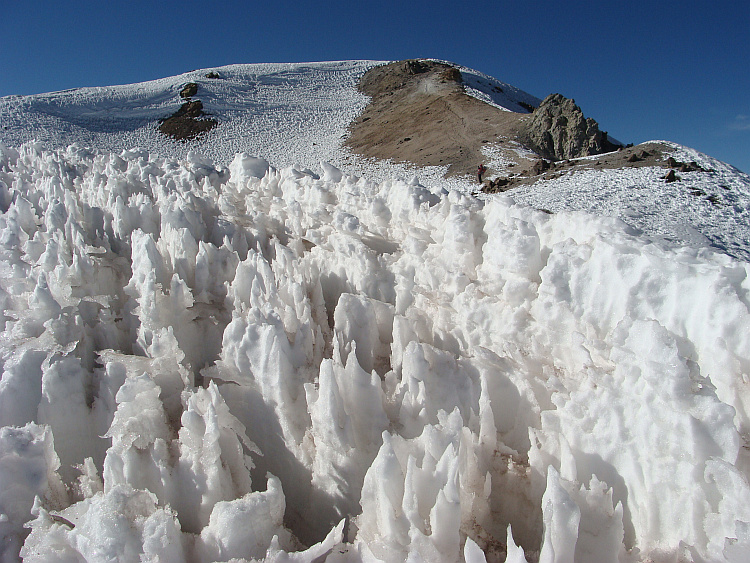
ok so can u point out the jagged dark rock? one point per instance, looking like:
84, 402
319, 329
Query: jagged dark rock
213, 74
414, 66
495, 186
684, 166
540, 166
190, 109
558, 130
188, 122
451, 74
671, 176
189, 90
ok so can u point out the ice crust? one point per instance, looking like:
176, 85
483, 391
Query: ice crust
209, 363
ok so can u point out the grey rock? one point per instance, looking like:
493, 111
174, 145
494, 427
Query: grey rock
558, 130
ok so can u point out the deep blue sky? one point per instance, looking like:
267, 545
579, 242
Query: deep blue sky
658, 70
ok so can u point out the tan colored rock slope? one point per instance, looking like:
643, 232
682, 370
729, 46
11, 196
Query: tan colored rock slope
420, 113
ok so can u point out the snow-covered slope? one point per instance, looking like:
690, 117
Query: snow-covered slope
286, 113
235, 359
705, 208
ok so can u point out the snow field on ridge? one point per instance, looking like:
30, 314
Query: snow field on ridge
205, 363
287, 113
703, 209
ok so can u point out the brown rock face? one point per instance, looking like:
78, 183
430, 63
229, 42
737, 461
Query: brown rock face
188, 122
420, 113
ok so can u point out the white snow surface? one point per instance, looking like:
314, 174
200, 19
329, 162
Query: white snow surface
279, 111
710, 208
496, 93
243, 359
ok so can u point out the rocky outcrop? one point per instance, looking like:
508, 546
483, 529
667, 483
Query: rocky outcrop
684, 166
558, 130
189, 90
188, 122
415, 66
451, 74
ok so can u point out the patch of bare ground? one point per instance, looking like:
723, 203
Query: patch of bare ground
420, 113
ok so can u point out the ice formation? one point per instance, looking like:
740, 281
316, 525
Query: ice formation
209, 363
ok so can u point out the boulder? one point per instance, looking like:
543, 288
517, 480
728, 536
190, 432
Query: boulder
189, 90
540, 167
495, 186
684, 166
691, 166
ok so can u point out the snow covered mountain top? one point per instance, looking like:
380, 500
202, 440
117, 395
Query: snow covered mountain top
300, 114
285, 112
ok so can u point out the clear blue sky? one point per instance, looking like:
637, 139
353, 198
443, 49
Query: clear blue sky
656, 70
